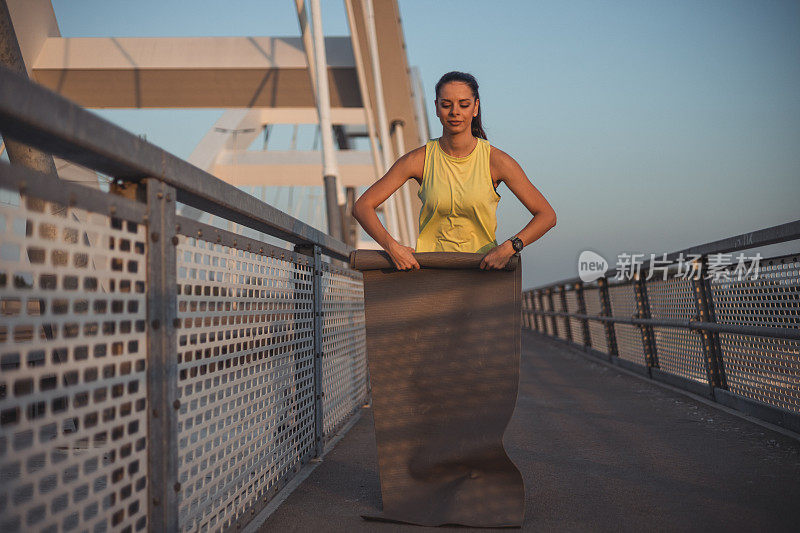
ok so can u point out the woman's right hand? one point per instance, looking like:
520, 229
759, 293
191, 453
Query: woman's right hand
403, 257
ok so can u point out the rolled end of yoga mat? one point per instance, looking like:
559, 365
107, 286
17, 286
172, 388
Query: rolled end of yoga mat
379, 259
443, 347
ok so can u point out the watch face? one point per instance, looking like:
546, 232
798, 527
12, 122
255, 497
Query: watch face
517, 244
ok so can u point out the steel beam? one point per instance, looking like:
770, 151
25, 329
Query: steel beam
284, 168
174, 72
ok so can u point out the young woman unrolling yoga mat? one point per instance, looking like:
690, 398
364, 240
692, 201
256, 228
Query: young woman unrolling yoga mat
443, 326
458, 174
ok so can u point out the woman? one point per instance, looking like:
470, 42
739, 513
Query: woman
458, 175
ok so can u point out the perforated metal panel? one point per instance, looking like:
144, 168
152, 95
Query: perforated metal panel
760, 368
526, 307
530, 306
73, 426
344, 345
597, 331
576, 325
246, 365
548, 319
561, 320
679, 351
629, 338
537, 319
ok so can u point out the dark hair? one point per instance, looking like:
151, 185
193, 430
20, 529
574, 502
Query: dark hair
469, 79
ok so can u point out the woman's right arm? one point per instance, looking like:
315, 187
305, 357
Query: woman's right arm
407, 167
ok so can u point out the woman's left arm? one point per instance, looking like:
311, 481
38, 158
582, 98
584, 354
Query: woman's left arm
508, 171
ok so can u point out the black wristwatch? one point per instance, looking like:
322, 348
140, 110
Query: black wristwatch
517, 244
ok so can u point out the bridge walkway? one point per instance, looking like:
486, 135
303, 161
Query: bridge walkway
600, 449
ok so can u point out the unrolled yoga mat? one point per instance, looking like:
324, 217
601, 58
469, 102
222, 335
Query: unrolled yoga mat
443, 347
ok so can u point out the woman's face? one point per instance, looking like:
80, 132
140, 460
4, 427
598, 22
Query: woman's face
455, 107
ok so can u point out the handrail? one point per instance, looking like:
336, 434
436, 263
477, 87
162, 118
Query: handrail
38, 117
739, 329
742, 336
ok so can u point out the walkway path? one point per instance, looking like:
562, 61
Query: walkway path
600, 450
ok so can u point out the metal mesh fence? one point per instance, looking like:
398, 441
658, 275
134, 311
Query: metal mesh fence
540, 319
152, 377
760, 299
537, 318
75, 387
562, 321
245, 363
527, 317
576, 325
762, 368
679, 351
548, 319
597, 330
530, 305
73, 405
344, 369
629, 338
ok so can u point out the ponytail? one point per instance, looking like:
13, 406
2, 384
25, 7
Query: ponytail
469, 79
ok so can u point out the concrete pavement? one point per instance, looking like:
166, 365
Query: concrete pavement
600, 450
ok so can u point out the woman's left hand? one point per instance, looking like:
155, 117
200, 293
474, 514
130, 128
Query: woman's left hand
498, 256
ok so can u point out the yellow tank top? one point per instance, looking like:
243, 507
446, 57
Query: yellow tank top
459, 202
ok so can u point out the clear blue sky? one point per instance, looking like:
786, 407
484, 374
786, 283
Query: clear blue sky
650, 126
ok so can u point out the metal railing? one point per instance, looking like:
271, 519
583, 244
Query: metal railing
157, 372
735, 341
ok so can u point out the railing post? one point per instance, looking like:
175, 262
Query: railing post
587, 339
567, 325
553, 321
643, 311
715, 368
315, 253
543, 318
605, 304
162, 365
531, 310
527, 318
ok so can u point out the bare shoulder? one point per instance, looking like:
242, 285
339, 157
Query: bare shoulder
501, 163
416, 156
414, 163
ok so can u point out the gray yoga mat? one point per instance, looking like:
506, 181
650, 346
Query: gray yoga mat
443, 346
